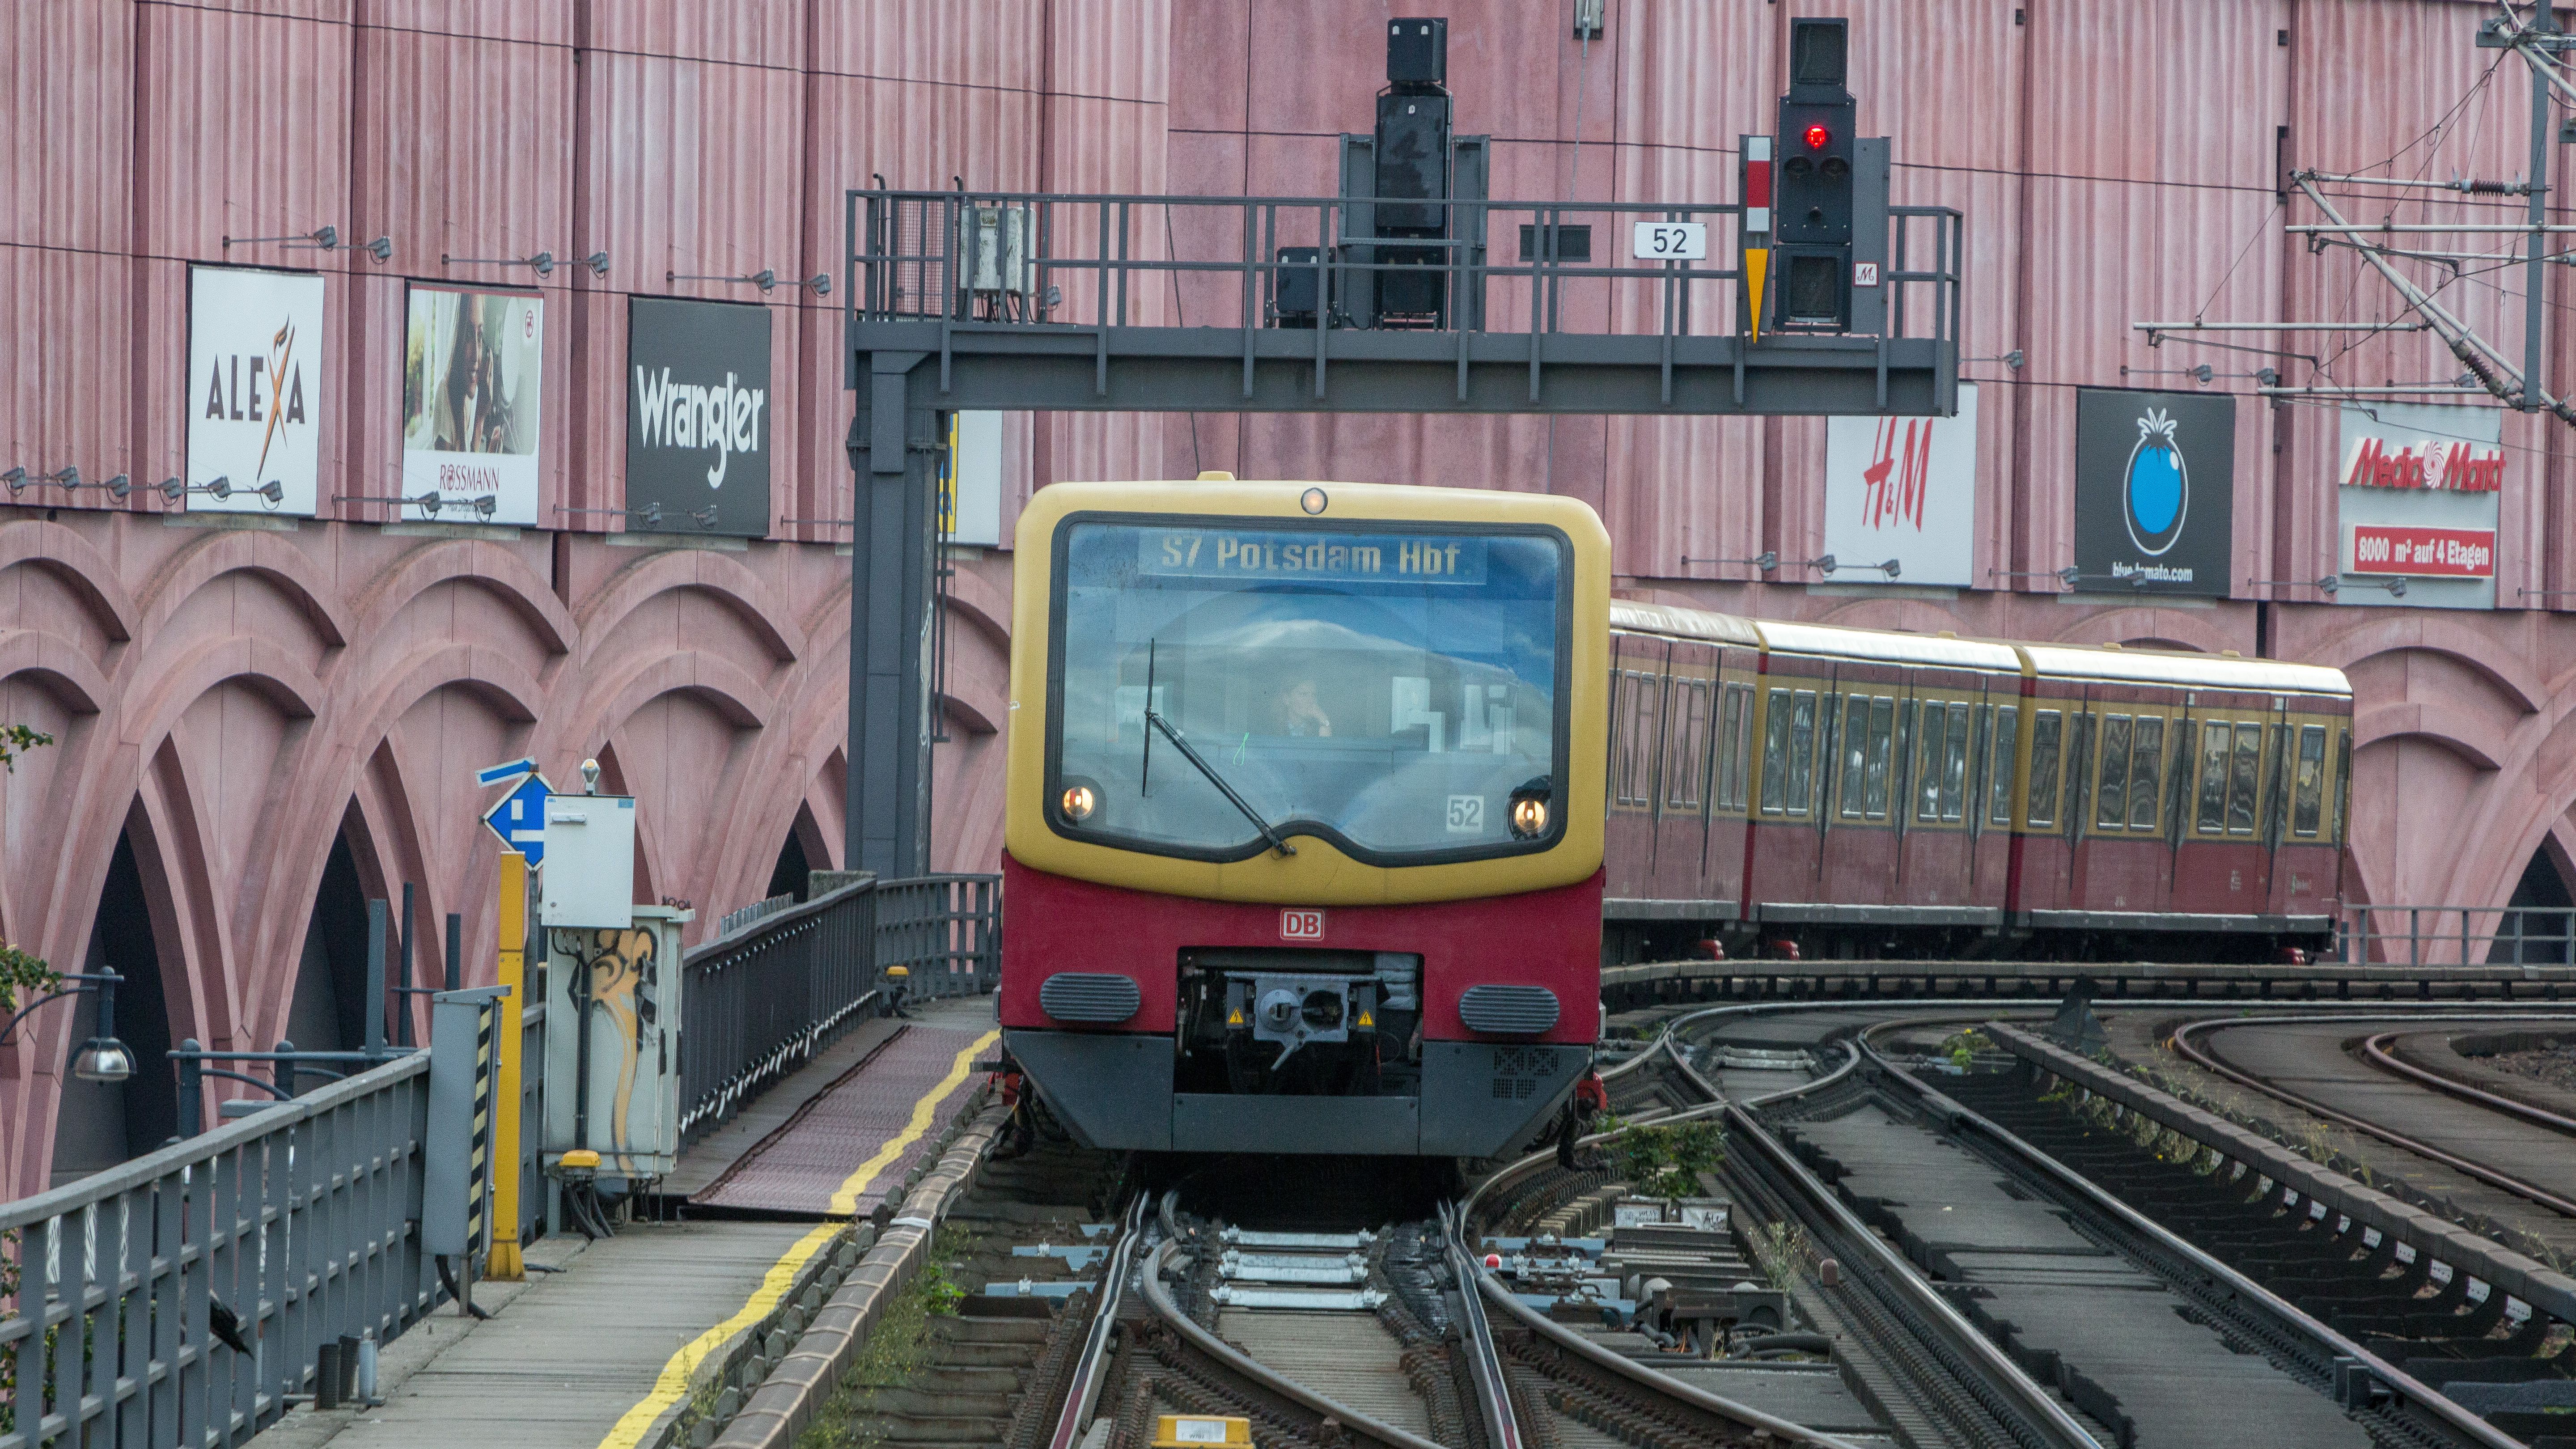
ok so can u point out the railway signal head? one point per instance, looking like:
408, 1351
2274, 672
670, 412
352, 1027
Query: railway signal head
1813, 193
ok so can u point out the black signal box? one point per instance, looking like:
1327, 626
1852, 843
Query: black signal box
1417, 51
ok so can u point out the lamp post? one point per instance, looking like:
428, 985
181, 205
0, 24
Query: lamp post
102, 1058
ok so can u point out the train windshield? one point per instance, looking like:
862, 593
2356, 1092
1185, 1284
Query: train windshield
1394, 691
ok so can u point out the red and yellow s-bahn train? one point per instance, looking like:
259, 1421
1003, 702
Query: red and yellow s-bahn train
1319, 795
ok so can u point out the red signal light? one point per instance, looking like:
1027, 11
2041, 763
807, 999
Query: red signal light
1817, 136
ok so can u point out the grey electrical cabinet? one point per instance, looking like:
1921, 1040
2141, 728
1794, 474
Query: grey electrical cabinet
613, 1041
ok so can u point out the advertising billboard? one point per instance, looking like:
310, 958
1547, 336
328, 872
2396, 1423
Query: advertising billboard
473, 382
697, 417
1905, 489
2155, 491
255, 391
2416, 488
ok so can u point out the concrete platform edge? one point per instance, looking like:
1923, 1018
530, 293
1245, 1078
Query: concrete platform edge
786, 1401
2545, 1289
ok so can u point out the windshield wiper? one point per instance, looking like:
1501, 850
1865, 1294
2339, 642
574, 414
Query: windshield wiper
1191, 755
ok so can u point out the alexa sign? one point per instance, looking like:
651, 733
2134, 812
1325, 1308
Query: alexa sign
697, 417
255, 381
2155, 485
2415, 496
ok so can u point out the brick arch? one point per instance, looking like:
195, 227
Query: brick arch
733, 583
2501, 664
2455, 730
154, 704
247, 551
483, 563
57, 665
2149, 627
70, 557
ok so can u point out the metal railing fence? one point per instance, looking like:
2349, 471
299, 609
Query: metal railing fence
736, 920
2434, 935
183, 1296
761, 999
944, 930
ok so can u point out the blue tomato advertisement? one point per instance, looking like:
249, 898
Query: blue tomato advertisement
2155, 482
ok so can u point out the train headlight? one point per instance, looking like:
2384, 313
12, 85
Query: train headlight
1529, 817
1079, 802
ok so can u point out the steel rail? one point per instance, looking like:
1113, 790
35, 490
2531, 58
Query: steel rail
2406, 1387
1261, 1376
1484, 1356
1949, 1329
2376, 1052
1091, 1369
2208, 1060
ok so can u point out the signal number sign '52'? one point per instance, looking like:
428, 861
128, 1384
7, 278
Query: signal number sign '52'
1301, 924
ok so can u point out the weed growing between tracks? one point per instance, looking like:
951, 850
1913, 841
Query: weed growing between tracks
894, 1348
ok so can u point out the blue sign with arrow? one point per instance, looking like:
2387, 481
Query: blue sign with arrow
520, 818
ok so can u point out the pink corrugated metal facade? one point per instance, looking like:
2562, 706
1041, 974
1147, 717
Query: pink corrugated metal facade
237, 708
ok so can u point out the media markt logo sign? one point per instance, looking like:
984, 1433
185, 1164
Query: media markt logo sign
697, 417
2155, 492
2154, 485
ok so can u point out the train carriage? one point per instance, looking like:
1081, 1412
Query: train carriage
1327, 803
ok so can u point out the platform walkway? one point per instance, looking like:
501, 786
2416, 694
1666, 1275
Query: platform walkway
598, 1354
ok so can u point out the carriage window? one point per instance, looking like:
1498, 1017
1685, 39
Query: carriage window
1855, 747
1954, 772
1688, 750
2000, 775
2213, 775
2080, 727
2147, 773
1882, 736
1802, 751
2310, 785
1734, 741
1927, 769
1635, 726
2245, 779
2044, 728
2343, 783
2111, 795
1775, 753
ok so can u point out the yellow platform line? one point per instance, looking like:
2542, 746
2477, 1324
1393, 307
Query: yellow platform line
673, 1384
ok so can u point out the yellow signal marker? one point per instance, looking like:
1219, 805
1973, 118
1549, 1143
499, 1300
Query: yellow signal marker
1757, 267
1367, 1020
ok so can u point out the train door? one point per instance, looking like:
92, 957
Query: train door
2305, 873
1994, 754
1734, 765
1783, 864
2076, 798
2046, 853
2222, 866
1636, 719
1860, 847
1682, 789
2124, 860
1932, 869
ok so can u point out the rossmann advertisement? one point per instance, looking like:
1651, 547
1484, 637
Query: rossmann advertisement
473, 374
2415, 498
697, 417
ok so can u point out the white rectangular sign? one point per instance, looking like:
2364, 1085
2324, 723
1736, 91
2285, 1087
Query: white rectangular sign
473, 374
1671, 241
255, 390
1905, 489
970, 491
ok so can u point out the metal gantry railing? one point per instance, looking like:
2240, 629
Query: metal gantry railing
944, 930
1088, 265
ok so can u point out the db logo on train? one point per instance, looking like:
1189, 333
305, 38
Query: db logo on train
1301, 925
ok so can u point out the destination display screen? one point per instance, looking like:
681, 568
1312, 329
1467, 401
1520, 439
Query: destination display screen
1225, 553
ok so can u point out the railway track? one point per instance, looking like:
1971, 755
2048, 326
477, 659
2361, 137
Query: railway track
1536, 1308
